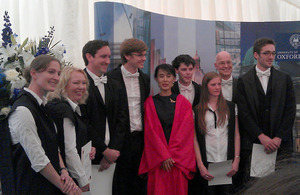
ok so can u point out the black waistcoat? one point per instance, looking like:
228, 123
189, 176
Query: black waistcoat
59, 110
264, 117
27, 180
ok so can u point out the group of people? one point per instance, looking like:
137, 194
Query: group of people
162, 144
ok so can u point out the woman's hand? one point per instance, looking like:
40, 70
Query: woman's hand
93, 153
204, 173
234, 167
69, 185
85, 188
77, 191
168, 164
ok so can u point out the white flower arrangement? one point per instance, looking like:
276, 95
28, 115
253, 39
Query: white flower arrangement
14, 58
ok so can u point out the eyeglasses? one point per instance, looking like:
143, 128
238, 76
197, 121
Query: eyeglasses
268, 53
139, 55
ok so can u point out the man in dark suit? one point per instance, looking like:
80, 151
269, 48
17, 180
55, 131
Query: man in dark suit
223, 65
104, 110
266, 103
184, 67
136, 86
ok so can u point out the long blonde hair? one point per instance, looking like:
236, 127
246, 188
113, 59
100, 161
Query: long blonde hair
202, 107
60, 91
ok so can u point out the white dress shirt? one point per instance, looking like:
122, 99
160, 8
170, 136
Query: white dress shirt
102, 92
134, 98
188, 92
72, 158
216, 139
227, 88
23, 130
263, 77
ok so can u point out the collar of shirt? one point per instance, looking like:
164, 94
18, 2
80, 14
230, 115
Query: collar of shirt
39, 100
227, 82
126, 73
185, 88
262, 73
74, 106
94, 77
209, 107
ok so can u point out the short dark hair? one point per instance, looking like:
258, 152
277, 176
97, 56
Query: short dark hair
261, 42
131, 45
92, 47
165, 67
39, 64
184, 58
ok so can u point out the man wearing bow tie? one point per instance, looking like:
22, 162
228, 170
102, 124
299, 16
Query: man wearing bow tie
184, 67
223, 65
104, 110
136, 86
266, 103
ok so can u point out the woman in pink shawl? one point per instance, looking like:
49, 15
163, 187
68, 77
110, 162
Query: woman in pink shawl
168, 158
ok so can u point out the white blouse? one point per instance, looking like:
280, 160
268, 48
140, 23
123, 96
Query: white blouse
216, 138
23, 130
72, 158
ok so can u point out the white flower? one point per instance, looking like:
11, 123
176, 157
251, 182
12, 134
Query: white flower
58, 52
18, 83
27, 58
8, 52
13, 65
5, 111
11, 74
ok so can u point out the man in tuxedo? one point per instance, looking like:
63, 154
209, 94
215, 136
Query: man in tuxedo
266, 103
184, 67
104, 110
136, 86
223, 65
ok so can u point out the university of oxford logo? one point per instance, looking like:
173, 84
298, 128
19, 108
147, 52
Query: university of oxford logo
295, 40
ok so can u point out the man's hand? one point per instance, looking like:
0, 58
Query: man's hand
268, 143
111, 155
104, 164
277, 141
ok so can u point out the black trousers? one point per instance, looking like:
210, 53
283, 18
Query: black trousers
126, 179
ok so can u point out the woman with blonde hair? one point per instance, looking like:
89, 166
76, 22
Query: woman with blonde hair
63, 106
217, 133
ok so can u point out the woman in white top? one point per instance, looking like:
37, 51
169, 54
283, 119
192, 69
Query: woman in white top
37, 163
63, 106
217, 133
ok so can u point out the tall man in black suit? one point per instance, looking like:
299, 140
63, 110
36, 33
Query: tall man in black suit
136, 86
103, 109
184, 67
266, 103
223, 65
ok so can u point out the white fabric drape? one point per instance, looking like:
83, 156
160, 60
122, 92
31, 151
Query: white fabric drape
73, 19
